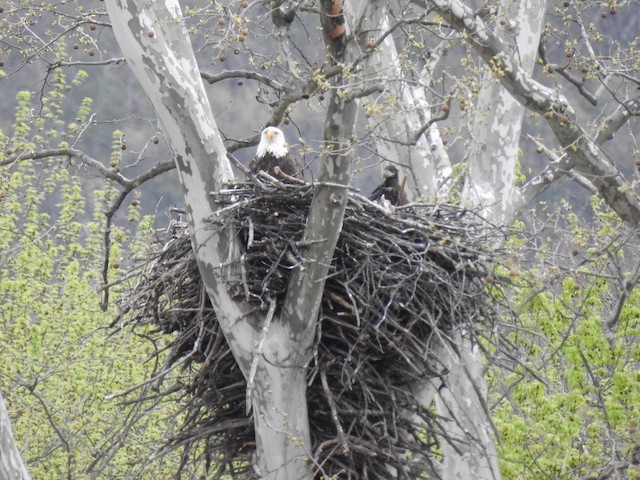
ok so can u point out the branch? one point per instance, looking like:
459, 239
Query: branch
153, 172
617, 119
104, 304
259, 351
128, 186
588, 157
301, 90
365, 91
214, 78
610, 471
593, 163
108, 61
45, 45
577, 82
561, 164
72, 153
493, 51
627, 287
280, 174
427, 125
342, 440
282, 15
62, 435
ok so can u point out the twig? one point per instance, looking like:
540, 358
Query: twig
415, 274
258, 354
286, 177
342, 440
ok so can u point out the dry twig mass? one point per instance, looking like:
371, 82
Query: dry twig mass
397, 283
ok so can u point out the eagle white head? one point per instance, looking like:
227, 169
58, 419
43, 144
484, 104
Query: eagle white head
272, 141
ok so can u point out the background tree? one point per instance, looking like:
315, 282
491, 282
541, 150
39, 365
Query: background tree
443, 87
60, 363
576, 392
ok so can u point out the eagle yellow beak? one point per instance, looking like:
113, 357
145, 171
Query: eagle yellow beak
270, 135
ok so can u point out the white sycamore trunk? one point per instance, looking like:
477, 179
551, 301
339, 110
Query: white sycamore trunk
471, 453
496, 130
273, 353
11, 465
155, 42
497, 122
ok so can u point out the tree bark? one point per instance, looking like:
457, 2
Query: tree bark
468, 449
11, 465
494, 152
584, 152
165, 65
400, 141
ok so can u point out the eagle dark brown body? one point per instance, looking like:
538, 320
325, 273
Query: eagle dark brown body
391, 188
269, 161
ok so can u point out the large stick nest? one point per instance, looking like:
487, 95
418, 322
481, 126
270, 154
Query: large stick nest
398, 281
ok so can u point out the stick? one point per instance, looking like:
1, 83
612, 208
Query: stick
258, 354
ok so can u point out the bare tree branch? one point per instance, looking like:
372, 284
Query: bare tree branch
627, 287
128, 186
588, 157
617, 119
563, 70
97, 63
562, 165
73, 153
128, 183
212, 78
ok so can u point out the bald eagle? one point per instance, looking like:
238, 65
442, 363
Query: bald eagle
391, 187
272, 152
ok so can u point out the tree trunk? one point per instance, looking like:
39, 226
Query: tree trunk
283, 441
272, 352
399, 141
11, 464
165, 66
468, 449
494, 151
155, 42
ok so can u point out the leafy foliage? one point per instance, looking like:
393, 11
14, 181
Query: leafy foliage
571, 407
60, 361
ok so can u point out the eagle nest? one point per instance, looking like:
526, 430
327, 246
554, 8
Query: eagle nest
397, 282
